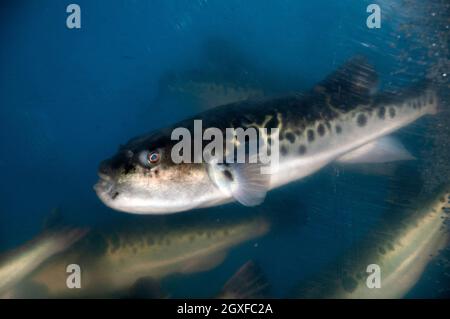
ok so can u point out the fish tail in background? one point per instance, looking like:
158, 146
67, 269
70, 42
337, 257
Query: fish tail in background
248, 282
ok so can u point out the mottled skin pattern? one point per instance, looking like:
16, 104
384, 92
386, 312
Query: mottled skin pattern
337, 116
112, 260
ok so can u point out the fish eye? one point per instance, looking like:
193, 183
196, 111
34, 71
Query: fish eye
149, 158
153, 157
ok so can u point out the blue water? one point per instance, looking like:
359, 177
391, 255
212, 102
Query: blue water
69, 97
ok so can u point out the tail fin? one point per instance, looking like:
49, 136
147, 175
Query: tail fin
247, 283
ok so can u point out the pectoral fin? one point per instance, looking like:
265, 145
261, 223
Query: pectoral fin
382, 150
244, 182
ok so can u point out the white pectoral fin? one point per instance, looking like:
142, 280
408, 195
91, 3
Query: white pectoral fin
382, 150
244, 182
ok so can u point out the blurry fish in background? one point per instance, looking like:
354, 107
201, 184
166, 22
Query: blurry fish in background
114, 260
401, 247
210, 90
22, 261
249, 282
227, 76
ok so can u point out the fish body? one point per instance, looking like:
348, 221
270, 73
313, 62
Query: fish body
111, 261
21, 262
211, 93
340, 119
401, 250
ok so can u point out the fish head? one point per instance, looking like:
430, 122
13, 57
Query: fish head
142, 178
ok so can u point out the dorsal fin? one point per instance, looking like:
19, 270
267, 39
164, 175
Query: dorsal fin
351, 84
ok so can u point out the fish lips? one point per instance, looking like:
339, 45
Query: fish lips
106, 188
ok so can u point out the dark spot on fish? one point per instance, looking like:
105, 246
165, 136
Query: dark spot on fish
321, 130
310, 134
382, 250
302, 149
442, 199
290, 137
361, 120
128, 168
156, 172
392, 112
228, 175
114, 195
284, 150
269, 140
381, 112
338, 129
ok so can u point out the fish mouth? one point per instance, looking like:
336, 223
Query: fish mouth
106, 187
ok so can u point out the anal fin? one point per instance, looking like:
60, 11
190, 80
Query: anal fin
382, 150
